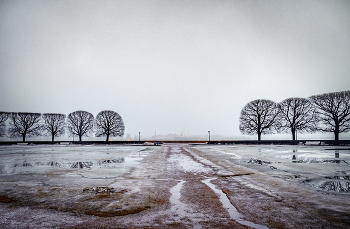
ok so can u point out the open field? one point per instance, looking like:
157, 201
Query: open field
174, 186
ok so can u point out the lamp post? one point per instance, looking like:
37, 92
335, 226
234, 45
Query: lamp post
209, 135
139, 137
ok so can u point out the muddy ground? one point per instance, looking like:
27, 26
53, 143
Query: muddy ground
169, 186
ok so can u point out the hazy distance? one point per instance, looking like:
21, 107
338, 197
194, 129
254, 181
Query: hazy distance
170, 66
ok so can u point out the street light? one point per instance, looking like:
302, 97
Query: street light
209, 135
139, 137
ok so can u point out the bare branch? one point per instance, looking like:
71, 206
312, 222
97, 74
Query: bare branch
80, 123
109, 123
259, 117
54, 125
333, 112
25, 125
297, 114
3, 117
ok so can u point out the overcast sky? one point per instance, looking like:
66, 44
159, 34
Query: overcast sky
170, 66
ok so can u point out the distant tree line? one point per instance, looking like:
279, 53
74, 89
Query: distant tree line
328, 112
79, 123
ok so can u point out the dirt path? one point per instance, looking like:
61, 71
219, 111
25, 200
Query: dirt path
177, 186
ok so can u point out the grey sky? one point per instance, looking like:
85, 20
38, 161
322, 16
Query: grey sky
169, 66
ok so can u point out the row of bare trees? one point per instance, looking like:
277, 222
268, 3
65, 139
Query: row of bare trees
328, 112
79, 123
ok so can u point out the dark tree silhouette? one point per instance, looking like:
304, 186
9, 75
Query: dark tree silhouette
3, 117
109, 123
54, 125
25, 125
297, 114
333, 112
258, 117
80, 123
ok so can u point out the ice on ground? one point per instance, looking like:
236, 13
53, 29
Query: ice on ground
187, 164
234, 214
178, 208
87, 161
308, 165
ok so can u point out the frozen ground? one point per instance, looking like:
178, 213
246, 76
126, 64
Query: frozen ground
174, 186
321, 167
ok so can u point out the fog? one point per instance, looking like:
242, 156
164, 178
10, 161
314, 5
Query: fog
170, 66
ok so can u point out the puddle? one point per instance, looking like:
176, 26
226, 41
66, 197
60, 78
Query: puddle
178, 208
316, 160
321, 157
337, 186
347, 177
107, 161
52, 163
335, 161
257, 161
24, 164
81, 165
234, 214
97, 160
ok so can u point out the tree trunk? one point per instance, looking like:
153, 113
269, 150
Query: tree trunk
336, 135
107, 138
293, 134
259, 129
53, 138
24, 137
80, 138
336, 132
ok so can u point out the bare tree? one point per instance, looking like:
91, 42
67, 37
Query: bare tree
297, 114
109, 123
3, 117
80, 123
25, 125
54, 125
258, 117
333, 112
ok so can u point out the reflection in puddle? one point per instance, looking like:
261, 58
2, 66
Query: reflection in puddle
337, 186
73, 165
118, 160
257, 161
336, 183
81, 165
316, 160
92, 166
53, 164
347, 177
24, 164
234, 214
